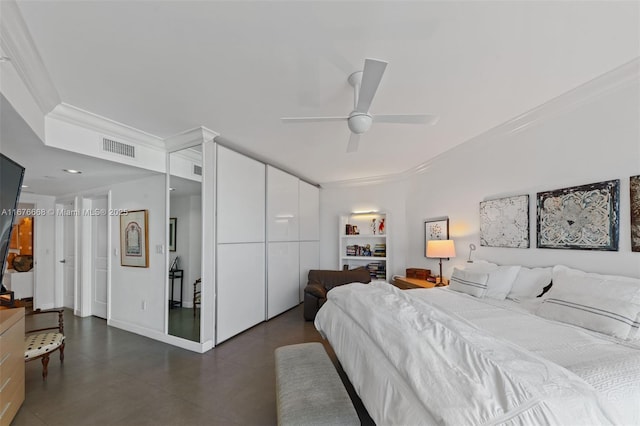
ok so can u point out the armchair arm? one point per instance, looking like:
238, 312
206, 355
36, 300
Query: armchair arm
59, 327
317, 290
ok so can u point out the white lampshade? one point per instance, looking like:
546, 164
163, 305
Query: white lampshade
441, 249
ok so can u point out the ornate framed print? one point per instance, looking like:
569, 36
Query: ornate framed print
634, 182
435, 229
134, 239
505, 222
581, 217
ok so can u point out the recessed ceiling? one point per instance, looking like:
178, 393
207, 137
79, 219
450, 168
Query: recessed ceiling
237, 67
45, 166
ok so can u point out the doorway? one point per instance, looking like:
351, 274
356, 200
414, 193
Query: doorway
99, 256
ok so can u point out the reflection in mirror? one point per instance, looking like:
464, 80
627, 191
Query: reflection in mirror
185, 243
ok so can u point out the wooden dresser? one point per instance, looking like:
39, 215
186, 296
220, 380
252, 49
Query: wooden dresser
11, 363
405, 283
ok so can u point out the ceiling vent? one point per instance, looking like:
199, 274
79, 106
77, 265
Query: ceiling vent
115, 147
197, 170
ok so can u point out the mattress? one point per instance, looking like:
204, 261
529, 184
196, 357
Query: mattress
602, 372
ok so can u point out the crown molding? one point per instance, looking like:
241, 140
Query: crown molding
18, 45
88, 120
189, 138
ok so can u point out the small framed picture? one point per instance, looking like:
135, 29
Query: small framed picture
134, 239
173, 223
435, 229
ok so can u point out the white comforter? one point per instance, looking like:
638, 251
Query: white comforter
413, 363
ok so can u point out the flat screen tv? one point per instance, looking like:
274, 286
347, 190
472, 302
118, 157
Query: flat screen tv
11, 175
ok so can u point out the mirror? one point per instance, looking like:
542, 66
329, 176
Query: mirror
185, 243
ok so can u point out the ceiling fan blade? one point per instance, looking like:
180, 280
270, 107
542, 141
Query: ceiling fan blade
371, 76
429, 119
312, 119
354, 141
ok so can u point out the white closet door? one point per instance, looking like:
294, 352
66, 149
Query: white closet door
309, 259
282, 206
283, 277
241, 288
240, 197
309, 212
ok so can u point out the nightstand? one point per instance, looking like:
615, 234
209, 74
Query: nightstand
405, 283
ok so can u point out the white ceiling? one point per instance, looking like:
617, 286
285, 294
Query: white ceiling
237, 67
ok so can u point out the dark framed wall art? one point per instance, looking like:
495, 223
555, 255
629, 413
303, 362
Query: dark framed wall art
504, 222
582, 217
435, 229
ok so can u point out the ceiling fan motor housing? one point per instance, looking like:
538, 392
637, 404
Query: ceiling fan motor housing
359, 122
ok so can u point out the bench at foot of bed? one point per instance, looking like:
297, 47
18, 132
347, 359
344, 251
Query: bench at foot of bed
309, 389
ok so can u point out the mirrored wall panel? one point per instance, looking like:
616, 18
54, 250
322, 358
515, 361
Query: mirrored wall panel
185, 243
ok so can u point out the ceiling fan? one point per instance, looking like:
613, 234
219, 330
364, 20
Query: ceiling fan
365, 84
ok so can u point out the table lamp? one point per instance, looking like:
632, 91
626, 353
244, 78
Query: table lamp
441, 249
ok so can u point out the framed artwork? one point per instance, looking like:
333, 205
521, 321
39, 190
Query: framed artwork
435, 229
505, 222
635, 212
173, 223
134, 239
581, 217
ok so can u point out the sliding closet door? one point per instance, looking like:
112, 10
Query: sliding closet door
309, 202
240, 276
283, 255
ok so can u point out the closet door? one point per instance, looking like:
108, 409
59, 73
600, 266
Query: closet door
283, 277
309, 203
240, 275
283, 257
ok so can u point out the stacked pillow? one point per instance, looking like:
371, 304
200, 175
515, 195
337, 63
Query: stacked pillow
484, 279
604, 303
530, 283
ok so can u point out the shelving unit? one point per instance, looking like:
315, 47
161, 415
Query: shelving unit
366, 248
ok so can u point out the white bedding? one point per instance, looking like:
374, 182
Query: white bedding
455, 371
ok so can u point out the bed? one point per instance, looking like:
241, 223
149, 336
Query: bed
440, 356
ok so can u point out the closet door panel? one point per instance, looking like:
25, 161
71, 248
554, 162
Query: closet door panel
309, 259
282, 206
241, 288
240, 198
309, 212
283, 277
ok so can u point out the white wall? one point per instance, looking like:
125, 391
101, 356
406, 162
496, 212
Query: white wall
130, 286
589, 135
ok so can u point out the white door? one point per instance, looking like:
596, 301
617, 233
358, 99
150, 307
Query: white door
99, 249
69, 260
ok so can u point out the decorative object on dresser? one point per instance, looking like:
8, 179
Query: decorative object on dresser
634, 185
134, 239
441, 249
582, 217
504, 222
419, 273
41, 342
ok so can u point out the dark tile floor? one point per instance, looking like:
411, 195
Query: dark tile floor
112, 377
183, 323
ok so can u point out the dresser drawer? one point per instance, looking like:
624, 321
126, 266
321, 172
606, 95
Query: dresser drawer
10, 404
12, 354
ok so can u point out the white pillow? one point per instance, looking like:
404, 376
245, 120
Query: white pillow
530, 282
605, 303
500, 280
473, 283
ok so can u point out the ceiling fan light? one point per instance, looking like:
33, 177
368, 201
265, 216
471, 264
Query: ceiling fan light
359, 123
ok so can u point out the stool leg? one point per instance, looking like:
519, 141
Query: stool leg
62, 352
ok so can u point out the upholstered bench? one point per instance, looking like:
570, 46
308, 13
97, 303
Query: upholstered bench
309, 389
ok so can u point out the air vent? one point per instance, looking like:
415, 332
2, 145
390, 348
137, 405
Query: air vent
115, 147
197, 170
